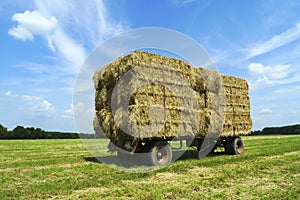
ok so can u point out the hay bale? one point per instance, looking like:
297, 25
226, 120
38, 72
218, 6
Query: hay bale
237, 118
145, 95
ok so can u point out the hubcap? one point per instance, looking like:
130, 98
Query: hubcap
161, 155
239, 147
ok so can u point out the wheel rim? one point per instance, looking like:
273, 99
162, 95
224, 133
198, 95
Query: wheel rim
239, 147
162, 155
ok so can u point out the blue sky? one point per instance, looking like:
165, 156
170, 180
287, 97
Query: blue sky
45, 42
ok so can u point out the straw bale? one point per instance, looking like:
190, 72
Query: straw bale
162, 103
231, 81
212, 80
237, 118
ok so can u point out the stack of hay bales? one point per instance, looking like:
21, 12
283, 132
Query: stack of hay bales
237, 116
144, 95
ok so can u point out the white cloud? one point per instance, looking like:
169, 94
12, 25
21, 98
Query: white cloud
269, 74
275, 42
8, 93
32, 104
69, 28
38, 104
34, 68
21, 33
77, 107
32, 23
69, 112
181, 2
72, 52
87, 21
265, 111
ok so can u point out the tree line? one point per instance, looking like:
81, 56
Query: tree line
21, 132
284, 130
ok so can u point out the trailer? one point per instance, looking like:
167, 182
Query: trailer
143, 101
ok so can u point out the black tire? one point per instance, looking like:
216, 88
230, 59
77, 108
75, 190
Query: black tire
160, 153
234, 146
227, 146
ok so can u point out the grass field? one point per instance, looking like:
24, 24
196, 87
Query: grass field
64, 169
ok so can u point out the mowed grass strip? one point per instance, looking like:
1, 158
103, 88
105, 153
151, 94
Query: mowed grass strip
64, 169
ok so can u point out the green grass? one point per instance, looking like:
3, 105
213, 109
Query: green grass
64, 169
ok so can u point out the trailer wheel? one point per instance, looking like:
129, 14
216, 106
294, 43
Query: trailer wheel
234, 146
227, 146
160, 153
